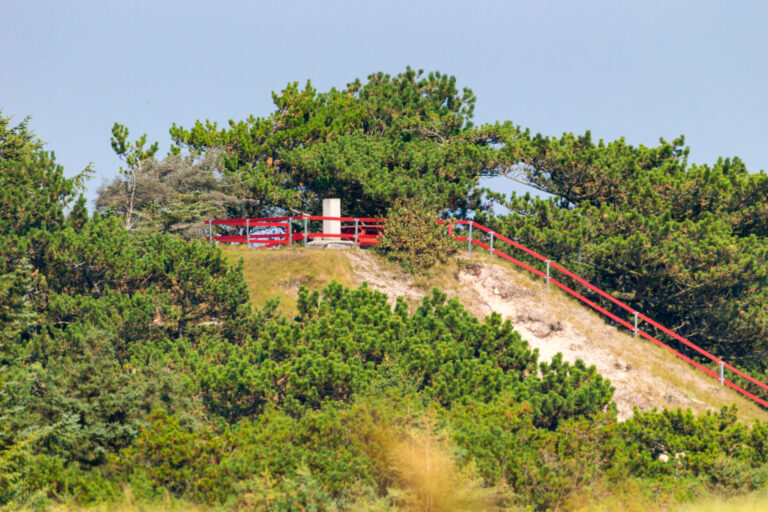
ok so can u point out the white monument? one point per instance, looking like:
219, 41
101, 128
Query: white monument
332, 208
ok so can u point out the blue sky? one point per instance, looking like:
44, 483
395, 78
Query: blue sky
641, 70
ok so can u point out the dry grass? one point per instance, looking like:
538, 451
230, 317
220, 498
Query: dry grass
642, 496
128, 503
278, 273
430, 481
755, 502
132, 507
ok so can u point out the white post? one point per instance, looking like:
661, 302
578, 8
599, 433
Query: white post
635, 329
332, 208
305, 232
247, 232
548, 274
722, 372
210, 231
357, 223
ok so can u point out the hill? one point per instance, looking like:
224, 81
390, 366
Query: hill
644, 375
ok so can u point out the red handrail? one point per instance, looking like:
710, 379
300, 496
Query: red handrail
285, 238
360, 234
723, 365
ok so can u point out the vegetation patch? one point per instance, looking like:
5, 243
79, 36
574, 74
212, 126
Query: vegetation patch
140, 364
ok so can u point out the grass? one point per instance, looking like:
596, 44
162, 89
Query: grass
685, 495
278, 273
432, 483
754, 502
428, 478
128, 503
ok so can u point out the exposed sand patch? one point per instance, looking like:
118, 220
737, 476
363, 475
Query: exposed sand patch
644, 375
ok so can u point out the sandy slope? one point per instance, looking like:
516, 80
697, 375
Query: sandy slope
644, 375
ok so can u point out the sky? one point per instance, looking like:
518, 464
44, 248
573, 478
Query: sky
637, 69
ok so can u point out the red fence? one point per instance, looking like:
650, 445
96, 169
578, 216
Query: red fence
366, 231
362, 231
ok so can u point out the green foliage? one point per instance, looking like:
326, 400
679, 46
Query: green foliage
181, 460
412, 238
131, 357
17, 142
33, 192
18, 317
370, 143
685, 244
301, 492
543, 467
174, 195
715, 446
137, 158
15, 446
96, 404
335, 348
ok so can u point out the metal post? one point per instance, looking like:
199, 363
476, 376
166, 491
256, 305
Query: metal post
490, 251
290, 233
469, 242
305, 233
210, 231
635, 329
722, 372
357, 223
548, 274
247, 232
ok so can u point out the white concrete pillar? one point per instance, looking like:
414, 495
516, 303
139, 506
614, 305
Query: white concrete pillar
332, 208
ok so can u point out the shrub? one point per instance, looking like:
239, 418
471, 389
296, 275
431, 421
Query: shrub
169, 455
413, 238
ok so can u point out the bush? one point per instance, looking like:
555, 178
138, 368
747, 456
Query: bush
713, 446
170, 456
413, 238
541, 467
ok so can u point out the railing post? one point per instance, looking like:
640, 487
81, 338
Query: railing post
490, 251
548, 275
722, 372
290, 233
469, 242
635, 329
306, 237
450, 229
247, 232
357, 224
210, 231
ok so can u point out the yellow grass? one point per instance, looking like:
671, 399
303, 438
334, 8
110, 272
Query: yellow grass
133, 507
278, 273
755, 502
430, 481
128, 503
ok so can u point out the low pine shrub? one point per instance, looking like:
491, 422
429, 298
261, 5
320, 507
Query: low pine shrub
413, 238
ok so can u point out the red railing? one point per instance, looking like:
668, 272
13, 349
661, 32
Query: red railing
276, 231
366, 231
